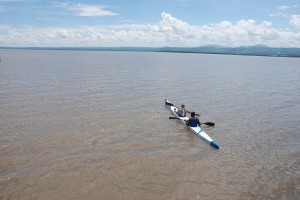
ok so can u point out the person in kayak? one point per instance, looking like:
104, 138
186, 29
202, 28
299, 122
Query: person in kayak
182, 111
193, 121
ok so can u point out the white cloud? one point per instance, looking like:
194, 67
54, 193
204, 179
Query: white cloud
283, 7
278, 15
170, 31
171, 24
90, 10
85, 10
295, 21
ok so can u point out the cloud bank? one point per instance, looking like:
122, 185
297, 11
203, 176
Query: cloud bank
170, 31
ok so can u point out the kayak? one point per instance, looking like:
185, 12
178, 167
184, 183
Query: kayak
197, 130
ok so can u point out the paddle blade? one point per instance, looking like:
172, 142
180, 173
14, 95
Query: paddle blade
209, 123
173, 118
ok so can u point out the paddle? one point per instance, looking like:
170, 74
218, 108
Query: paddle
206, 123
195, 113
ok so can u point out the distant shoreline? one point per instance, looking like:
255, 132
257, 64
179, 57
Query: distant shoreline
245, 51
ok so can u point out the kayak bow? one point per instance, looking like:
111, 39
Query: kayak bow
197, 130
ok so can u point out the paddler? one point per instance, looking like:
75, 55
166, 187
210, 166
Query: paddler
182, 111
193, 121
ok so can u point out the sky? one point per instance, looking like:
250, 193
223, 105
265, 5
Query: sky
149, 23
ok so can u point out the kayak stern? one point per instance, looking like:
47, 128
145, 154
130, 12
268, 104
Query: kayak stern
214, 144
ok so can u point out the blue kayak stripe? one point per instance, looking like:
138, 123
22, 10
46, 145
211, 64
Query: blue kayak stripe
214, 144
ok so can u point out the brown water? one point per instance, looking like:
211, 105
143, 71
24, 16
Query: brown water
92, 125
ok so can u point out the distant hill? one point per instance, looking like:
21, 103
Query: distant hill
247, 50
244, 50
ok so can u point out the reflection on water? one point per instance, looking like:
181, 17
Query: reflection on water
92, 125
